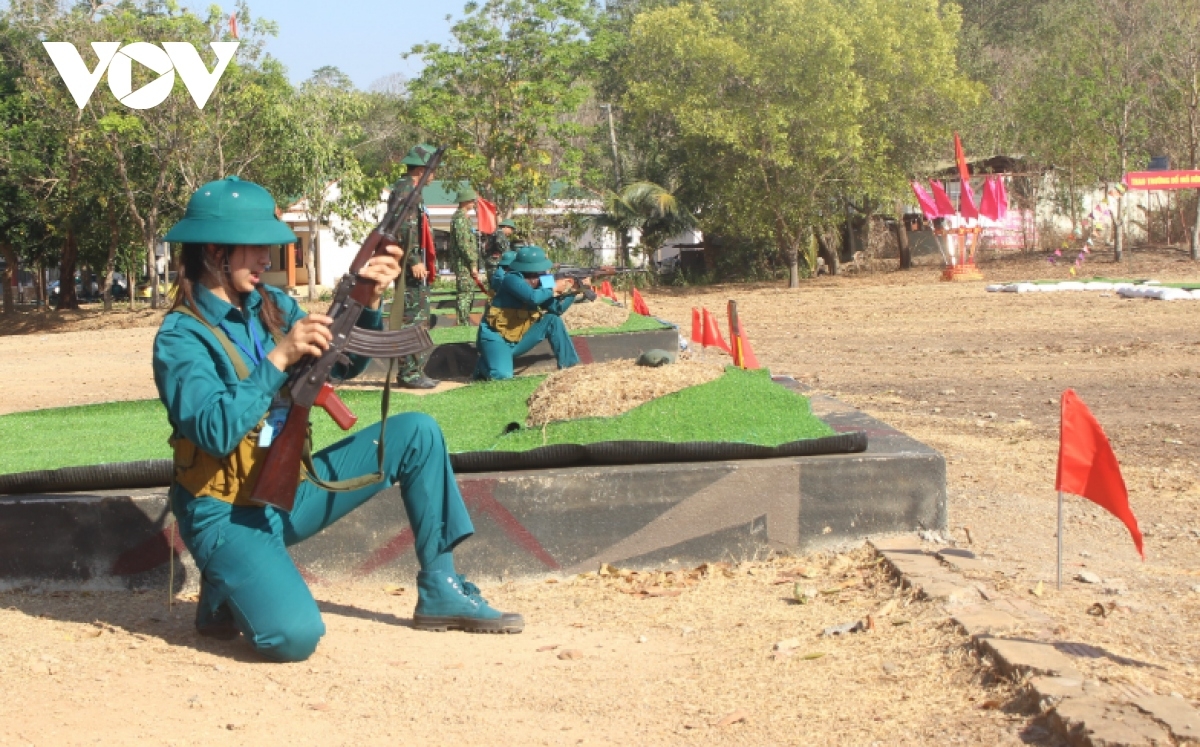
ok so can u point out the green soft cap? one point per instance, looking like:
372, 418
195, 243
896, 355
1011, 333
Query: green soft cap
508, 224
419, 155
530, 259
231, 211
466, 194
507, 258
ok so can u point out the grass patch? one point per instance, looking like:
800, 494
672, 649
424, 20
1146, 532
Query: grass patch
1142, 281
635, 323
741, 406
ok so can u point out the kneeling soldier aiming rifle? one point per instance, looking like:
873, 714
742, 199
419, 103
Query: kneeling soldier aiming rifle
222, 360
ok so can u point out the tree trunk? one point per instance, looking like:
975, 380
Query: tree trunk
826, 252
792, 253
10, 273
110, 263
310, 258
902, 238
67, 298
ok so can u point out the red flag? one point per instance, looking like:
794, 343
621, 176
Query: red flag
607, 291
639, 304
428, 245
233, 25
1001, 198
697, 326
925, 200
712, 333
964, 173
1088, 467
944, 206
485, 215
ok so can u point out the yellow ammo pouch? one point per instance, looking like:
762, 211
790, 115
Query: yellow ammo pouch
512, 324
230, 478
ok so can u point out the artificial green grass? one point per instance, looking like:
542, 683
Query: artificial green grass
1141, 281
635, 323
742, 406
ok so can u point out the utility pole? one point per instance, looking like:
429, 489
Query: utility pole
612, 140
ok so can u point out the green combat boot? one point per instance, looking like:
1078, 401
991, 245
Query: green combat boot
447, 601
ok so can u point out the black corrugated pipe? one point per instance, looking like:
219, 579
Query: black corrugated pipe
157, 473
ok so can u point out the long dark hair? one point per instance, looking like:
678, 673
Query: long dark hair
195, 262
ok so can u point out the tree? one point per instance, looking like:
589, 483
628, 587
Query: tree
780, 108
504, 94
322, 166
644, 207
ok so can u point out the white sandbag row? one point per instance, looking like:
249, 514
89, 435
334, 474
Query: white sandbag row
1162, 294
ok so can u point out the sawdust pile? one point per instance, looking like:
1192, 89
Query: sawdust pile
609, 389
595, 314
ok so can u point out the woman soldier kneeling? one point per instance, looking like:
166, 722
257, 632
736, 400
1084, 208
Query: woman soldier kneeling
219, 364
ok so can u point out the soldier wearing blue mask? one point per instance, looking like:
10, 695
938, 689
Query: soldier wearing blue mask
220, 362
526, 309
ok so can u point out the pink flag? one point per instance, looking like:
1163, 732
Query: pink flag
989, 206
944, 206
966, 201
925, 200
1001, 198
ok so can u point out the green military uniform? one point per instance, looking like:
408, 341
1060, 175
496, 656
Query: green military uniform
416, 293
462, 257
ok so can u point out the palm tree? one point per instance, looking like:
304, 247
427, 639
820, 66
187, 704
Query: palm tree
642, 206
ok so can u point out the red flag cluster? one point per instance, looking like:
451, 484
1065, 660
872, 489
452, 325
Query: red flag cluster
995, 198
707, 333
607, 291
1088, 467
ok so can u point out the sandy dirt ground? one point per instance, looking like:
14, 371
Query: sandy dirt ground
976, 375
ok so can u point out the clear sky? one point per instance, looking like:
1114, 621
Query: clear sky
364, 38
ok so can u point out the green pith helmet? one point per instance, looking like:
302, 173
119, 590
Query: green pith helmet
507, 258
530, 259
508, 224
231, 211
419, 155
466, 194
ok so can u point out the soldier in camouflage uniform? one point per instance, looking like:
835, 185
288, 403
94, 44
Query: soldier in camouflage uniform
415, 277
463, 248
498, 243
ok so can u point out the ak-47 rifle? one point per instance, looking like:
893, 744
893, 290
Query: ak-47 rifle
579, 274
308, 381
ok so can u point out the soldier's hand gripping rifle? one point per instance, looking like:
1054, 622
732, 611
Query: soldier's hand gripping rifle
308, 381
580, 274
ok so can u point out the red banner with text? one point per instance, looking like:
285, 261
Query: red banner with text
1150, 180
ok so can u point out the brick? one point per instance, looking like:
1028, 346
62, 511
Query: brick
1174, 713
982, 619
1014, 656
1091, 722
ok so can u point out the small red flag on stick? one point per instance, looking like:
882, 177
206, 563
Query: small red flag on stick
1088, 467
639, 304
233, 25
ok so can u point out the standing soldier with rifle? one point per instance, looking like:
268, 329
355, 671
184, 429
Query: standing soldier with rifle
415, 280
221, 363
462, 256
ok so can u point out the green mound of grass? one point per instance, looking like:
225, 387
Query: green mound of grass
742, 406
635, 323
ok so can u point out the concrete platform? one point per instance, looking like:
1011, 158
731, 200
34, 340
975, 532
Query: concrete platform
532, 522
